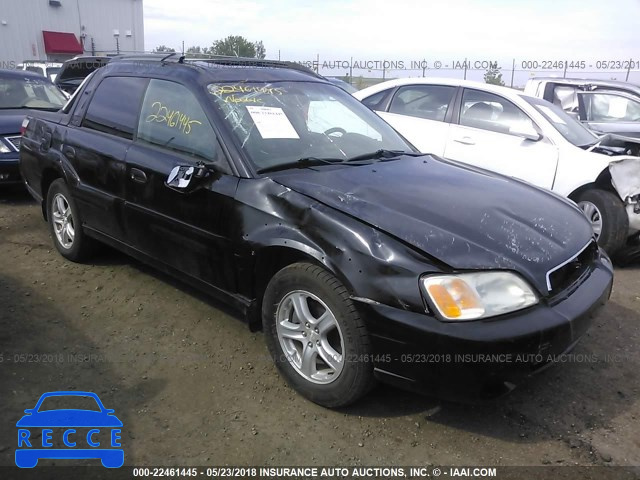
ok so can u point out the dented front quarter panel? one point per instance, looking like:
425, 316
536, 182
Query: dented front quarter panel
371, 264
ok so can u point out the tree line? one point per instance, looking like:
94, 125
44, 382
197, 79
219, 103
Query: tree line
233, 45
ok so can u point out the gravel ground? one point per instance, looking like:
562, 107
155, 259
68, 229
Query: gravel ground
193, 386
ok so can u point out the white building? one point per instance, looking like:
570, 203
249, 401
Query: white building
56, 30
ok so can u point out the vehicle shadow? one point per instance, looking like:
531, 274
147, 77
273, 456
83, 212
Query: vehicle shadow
584, 391
15, 195
43, 350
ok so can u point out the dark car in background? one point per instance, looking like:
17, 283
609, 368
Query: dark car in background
272, 189
74, 71
20, 92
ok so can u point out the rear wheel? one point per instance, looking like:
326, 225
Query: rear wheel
316, 336
608, 218
65, 224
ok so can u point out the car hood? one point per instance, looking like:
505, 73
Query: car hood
463, 216
69, 418
11, 120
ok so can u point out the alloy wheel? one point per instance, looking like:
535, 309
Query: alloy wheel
63, 225
310, 337
593, 215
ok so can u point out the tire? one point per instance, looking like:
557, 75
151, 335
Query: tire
337, 370
65, 224
608, 216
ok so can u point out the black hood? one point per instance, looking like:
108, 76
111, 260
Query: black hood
11, 121
464, 217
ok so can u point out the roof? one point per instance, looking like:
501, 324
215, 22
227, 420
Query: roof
221, 69
23, 74
456, 82
587, 81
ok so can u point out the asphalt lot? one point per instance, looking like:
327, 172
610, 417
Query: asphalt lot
193, 386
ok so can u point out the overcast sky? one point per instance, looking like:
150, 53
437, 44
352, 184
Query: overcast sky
405, 29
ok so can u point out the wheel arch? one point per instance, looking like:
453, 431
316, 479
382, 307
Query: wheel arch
272, 258
49, 175
602, 182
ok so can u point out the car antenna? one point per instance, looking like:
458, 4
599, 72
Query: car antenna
168, 56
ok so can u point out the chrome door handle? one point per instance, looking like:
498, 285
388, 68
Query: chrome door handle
138, 176
465, 141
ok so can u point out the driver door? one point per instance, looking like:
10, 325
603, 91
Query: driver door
188, 232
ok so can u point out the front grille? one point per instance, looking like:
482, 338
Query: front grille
15, 141
566, 274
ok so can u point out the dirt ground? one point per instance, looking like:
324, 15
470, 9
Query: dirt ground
193, 386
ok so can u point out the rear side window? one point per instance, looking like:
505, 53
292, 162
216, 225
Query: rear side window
423, 101
115, 105
173, 118
374, 102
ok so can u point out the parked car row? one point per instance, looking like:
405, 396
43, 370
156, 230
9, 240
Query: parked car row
509, 132
270, 188
21, 91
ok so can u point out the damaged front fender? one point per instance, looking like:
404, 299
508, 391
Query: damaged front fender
625, 177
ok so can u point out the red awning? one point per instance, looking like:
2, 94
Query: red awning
61, 42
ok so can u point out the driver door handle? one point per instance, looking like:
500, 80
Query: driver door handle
138, 176
465, 141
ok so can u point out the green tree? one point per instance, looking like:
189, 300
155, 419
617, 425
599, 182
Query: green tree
163, 49
493, 76
238, 46
195, 50
261, 52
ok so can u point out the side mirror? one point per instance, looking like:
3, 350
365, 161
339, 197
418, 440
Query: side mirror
525, 131
187, 178
575, 115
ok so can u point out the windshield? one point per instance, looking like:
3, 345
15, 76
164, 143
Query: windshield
29, 92
279, 123
52, 72
570, 128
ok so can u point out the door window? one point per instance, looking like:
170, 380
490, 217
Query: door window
173, 118
423, 101
610, 107
491, 112
374, 102
114, 106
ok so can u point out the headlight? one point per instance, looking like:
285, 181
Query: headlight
4, 148
469, 296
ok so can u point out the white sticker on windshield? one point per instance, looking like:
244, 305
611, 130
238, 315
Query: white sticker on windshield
272, 122
617, 107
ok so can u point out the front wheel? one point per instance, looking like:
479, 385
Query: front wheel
608, 218
316, 337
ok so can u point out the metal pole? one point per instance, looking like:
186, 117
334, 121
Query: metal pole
566, 64
629, 70
317, 63
351, 71
513, 69
465, 68
278, 54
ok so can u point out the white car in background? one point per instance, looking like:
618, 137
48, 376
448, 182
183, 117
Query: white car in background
501, 129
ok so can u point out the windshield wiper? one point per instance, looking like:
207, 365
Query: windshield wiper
383, 153
301, 163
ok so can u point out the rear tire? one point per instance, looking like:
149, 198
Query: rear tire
608, 218
316, 337
65, 224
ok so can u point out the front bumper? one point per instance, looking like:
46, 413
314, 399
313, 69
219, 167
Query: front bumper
482, 358
9, 170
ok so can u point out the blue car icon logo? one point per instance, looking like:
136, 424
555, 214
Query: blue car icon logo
73, 429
